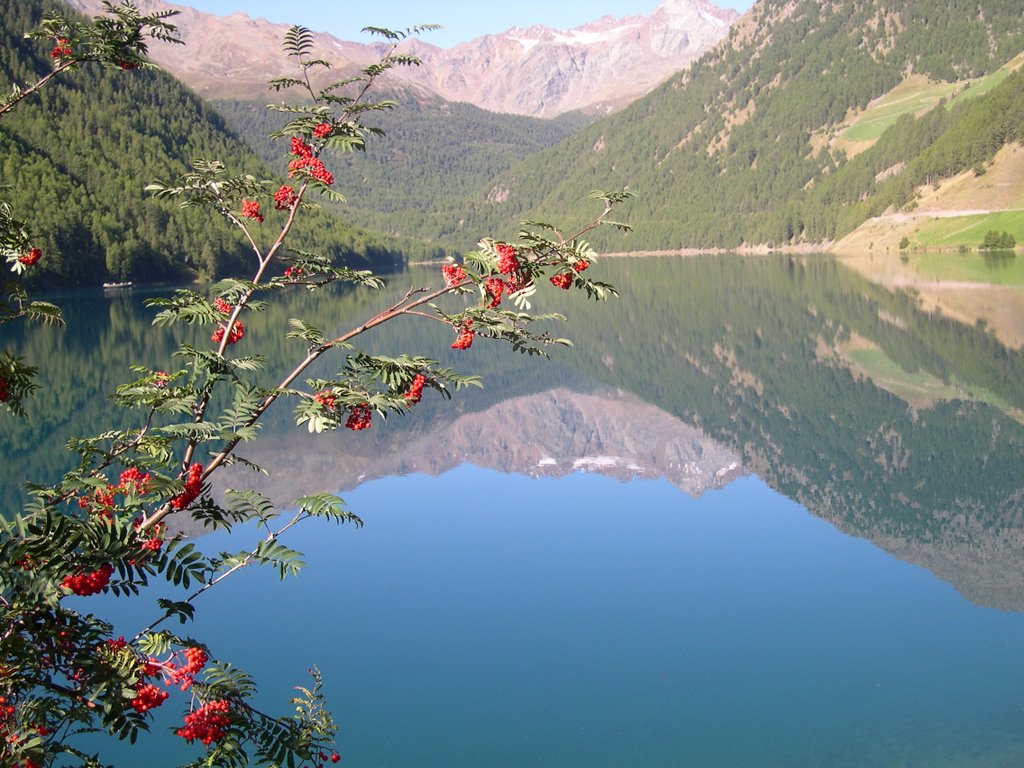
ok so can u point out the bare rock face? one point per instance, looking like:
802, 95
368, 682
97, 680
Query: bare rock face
232, 57
598, 67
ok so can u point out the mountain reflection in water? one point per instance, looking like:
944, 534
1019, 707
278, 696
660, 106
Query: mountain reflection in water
890, 422
747, 383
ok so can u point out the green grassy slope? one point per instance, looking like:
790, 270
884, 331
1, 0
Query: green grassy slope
729, 151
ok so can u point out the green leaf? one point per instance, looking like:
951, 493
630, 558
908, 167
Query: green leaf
184, 611
298, 41
272, 552
250, 504
328, 506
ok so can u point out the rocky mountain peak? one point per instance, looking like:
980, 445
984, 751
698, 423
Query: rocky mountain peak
597, 67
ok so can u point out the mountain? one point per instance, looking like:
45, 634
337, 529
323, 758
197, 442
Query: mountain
744, 147
79, 155
600, 66
536, 71
441, 151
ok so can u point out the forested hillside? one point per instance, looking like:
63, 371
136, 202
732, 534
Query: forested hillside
738, 149
432, 152
78, 156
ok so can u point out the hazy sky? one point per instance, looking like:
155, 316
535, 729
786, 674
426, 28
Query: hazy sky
462, 19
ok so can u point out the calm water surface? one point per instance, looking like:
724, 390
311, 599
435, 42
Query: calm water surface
764, 514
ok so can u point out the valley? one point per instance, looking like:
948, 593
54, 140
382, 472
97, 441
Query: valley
796, 127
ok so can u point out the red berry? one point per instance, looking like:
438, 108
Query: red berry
563, 281
251, 210
507, 261
30, 258
453, 274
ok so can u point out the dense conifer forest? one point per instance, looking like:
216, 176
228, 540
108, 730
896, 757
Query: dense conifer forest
432, 152
78, 158
735, 150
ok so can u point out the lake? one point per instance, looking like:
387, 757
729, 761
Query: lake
764, 513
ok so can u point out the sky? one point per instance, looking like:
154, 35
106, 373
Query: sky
462, 19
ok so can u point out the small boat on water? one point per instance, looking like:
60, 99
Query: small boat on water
117, 286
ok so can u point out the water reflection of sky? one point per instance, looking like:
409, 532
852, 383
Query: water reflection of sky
484, 619
487, 618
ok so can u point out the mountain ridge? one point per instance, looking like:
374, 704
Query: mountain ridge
730, 152
598, 67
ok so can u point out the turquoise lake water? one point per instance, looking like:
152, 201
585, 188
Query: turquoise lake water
677, 545
482, 619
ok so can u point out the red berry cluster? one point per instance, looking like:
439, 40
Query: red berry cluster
222, 305
359, 417
195, 660
293, 272
86, 584
147, 697
453, 274
237, 332
415, 393
154, 542
304, 160
251, 210
318, 172
127, 66
581, 265
30, 258
207, 723
193, 485
323, 130
300, 148
562, 280
182, 676
325, 398
5, 392
494, 287
508, 263
100, 502
285, 198
61, 49
160, 379
133, 479
465, 337
10, 735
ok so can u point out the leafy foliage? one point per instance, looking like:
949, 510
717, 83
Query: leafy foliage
103, 527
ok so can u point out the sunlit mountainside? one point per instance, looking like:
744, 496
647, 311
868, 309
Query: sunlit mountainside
536, 71
737, 150
809, 125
